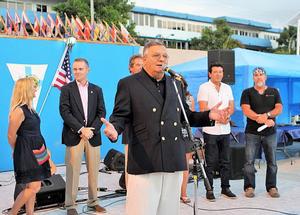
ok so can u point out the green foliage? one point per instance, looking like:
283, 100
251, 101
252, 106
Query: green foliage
216, 39
287, 41
112, 11
74, 8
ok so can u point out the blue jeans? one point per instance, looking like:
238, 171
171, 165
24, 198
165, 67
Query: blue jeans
269, 144
217, 152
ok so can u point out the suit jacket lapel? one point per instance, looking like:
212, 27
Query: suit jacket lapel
91, 100
77, 97
170, 94
148, 84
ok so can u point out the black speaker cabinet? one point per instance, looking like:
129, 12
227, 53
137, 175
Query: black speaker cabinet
115, 160
226, 58
52, 191
237, 161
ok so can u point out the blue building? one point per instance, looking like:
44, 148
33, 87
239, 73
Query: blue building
177, 29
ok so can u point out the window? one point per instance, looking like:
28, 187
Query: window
152, 21
147, 20
159, 23
41, 8
189, 27
141, 19
193, 28
136, 18
164, 24
183, 26
173, 25
169, 25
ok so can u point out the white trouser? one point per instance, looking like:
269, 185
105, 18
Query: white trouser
154, 193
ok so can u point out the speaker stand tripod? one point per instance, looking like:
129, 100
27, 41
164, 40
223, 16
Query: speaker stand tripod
198, 159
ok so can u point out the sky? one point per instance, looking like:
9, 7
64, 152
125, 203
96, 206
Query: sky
275, 12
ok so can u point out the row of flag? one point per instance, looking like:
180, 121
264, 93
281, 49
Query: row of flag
71, 26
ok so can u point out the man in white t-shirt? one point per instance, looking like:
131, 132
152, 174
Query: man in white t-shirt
217, 138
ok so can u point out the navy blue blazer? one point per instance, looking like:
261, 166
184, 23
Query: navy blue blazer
71, 111
156, 143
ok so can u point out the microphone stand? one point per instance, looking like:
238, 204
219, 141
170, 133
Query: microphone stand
198, 156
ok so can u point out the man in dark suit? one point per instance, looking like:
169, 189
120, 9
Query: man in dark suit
81, 107
156, 154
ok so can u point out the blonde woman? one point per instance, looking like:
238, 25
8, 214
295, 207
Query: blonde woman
30, 156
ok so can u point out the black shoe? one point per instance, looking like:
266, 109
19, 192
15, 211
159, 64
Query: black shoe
210, 196
72, 211
227, 192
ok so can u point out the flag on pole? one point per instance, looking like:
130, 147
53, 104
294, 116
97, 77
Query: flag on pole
68, 27
63, 74
51, 25
36, 26
87, 29
9, 23
58, 25
4, 25
44, 26
25, 20
124, 33
17, 23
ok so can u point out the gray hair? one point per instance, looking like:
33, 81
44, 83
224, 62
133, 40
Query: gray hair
152, 43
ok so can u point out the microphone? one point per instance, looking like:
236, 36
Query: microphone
262, 128
172, 73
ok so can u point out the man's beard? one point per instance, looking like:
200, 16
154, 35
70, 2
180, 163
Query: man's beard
260, 84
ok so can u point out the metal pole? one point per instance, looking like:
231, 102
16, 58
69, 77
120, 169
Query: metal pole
298, 37
54, 77
92, 11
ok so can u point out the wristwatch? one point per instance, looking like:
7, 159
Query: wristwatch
269, 114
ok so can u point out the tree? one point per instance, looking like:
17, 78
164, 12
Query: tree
287, 41
112, 11
74, 8
216, 39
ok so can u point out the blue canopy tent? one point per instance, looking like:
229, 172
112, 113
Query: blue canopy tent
283, 72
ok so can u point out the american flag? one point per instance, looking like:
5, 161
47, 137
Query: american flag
63, 74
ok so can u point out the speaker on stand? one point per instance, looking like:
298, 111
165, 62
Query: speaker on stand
227, 59
115, 160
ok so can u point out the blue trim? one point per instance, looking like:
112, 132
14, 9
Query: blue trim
253, 41
171, 14
275, 30
245, 22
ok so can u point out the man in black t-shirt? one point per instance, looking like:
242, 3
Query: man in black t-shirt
260, 104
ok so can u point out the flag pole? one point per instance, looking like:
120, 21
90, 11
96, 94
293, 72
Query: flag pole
69, 44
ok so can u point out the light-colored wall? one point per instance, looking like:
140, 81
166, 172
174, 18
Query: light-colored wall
178, 56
